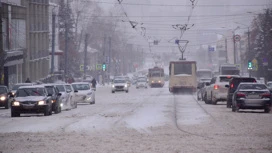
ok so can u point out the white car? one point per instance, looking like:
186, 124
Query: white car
141, 83
84, 94
119, 85
67, 96
217, 90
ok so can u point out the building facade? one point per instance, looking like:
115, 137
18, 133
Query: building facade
36, 64
13, 41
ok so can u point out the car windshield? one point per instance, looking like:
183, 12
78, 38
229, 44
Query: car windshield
119, 81
3, 90
142, 80
225, 79
60, 88
24, 92
81, 86
253, 86
269, 85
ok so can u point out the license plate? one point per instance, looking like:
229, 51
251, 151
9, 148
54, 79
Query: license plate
28, 106
253, 96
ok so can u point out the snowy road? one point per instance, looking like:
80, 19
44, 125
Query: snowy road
143, 120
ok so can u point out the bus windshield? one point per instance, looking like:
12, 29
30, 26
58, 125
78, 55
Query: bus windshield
183, 68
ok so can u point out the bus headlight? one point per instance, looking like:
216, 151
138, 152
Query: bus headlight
159, 81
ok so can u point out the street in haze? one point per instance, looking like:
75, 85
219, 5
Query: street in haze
143, 120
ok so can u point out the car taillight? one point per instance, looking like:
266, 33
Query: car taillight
232, 86
216, 87
240, 94
265, 95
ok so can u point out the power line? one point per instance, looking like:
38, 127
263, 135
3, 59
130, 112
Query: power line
175, 5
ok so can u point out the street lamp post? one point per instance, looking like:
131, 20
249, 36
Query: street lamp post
248, 40
226, 46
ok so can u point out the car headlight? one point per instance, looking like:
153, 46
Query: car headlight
3, 98
159, 81
126, 85
113, 86
152, 81
13, 93
41, 102
16, 103
61, 105
89, 93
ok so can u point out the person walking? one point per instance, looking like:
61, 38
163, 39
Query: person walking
94, 83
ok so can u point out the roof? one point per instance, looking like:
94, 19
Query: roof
252, 83
35, 86
81, 83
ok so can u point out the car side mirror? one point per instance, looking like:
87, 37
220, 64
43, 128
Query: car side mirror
208, 84
59, 94
49, 95
76, 91
227, 86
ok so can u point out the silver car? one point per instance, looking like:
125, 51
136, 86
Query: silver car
119, 85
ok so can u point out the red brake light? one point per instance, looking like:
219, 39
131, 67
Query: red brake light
240, 94
215, 87
228, 77
265, 95
232, 85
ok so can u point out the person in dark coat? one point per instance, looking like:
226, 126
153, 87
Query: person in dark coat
27, 80
94, 83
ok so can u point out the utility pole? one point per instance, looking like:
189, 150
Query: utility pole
53, 41
85, 54
109, 56
234, 48
226, 48
2, 53
66, 52
104, 59
248, 41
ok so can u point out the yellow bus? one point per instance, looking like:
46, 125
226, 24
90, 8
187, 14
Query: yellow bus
156, 77
182, 76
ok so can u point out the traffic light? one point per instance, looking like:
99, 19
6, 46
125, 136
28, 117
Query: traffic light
103, 67
249, 66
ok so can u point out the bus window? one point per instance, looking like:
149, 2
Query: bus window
183, 68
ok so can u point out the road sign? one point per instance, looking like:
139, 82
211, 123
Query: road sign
211, 49
81, 68
265, 62
254, 65
237, 38
98, 66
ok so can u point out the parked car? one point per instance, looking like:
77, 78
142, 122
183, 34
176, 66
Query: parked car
232, 86
251, 96
119, 85
201, 88
4, 97
141, 82
84, 94
31, 99
216, 90
67, 96
56, 97
16, 86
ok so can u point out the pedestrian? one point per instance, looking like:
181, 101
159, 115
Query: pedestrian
27, 80
94, 83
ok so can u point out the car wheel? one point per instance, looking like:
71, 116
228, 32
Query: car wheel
50, 111
213, 101
75, 105
267, 110
112, 91
7, 105
46, 110
127, 91
235, 108
228, 104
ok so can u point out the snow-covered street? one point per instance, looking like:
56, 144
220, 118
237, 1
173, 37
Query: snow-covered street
143, 120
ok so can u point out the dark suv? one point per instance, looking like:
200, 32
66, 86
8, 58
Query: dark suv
233, 84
